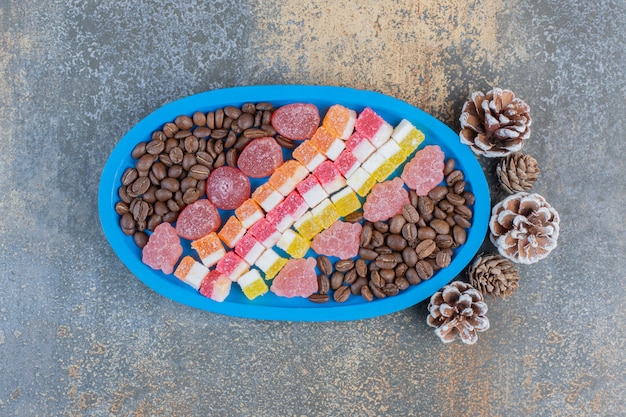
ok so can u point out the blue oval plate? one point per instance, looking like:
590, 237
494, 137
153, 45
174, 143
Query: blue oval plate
269, 306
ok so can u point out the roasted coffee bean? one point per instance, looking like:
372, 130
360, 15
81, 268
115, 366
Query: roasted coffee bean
203, 158
160, 208
454, 176
173, 205
444, 241
438, 193
140, 239
350, 276
165, 159
324, 265
342, 294
218, 146
464, 211
344, 265
424, 270
191, 195
267, 117
459, 187
210, 120
376, 279
140, 210
188, 183
139, 150
409, 232
354, 217
413, 198
178, 197
245, 121
440, 226
170, 144
439, 213
154, 221
285, 142
182, 134
155, 147
412, 276
268, 129
121, 208
446, 205
202, 132
219, 118
149, 196
145, 162
191, 144
425, 205
163, 194
461, 221
170, 217
228, 122
170, 184
361, 267
159, 135
425, 248
254, 133
410, 214
176, 155
396, 223
323, 284
140, 185
129, 176
183, 122
241, 142
401, 283
355, 288
396, 242
367, 254
219, 134
219, 161
336, 280
426, 232
387, 261
469, 197
401, 269
373, 267
384, 250
199, 118
258, 116
230, 140
382, 227
378, 239
409, 256
264, 105
366, 293
232, 112
390, 289
388, 275
459, 234
319, 298
448, 167
455, 199
170, 129
128, 224
231, 157
443, 259
366, 234
189, 160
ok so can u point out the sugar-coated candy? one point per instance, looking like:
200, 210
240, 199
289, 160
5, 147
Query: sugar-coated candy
361, 182
270, 263
312, 191
280, 217
163, 248
341, 239
407, 136
325, 213
232, 266
198, 219
329, 177
360, 146
296, 279
265, 232
296, 121
210, 249
347, 163
215, 286
385, 200
308, 155
345, 201
260, 157
307, 226
288, 176
293, 244
373, 165
227, 187
249, 212
425, 170
374, 127
326, 143
394, 157
252, 284
249, 249
191, 272
267, 197
232, 231
339, 121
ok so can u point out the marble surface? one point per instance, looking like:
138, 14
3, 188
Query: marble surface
80, 336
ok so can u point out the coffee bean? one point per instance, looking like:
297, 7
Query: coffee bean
390, 289
254, 133
462, 221
245, 121
140, 185
139, 150
409, 232
173, 205
210, 120
258, 117
218, 146
170, 184
170, 129
454, 176
367, 254
448, 167
323, 284
361, 267
354, 217
377, 292
469, 197
401, 283
459, 234
129, 176
410, 214
426, 232
376, 279
437, 193
412, 276
170, 217
425, 248
455, 199
219, 161
324, 265
444, 241
176, 155
387, 261
128, 224
396, 223
140, 211
170, 144
413, 198
384, 250
409, 256
154, 221
401, 269
342, 294
446, 205
425, 205
439, 213
264, 105
396, 242
424, 270
231, 157
241, 142
440, 226
388, 275
203, 158
219, 118
464, 211
366, 234
350, 276
319, 298
202, 132
285, 142
145, 162
355, 288
443, 259
344, 265
163, 194
459, 187
199, 118
183, 122
382, 227
155, 147
366, 293
192, 195
191, 144
182, 134
140, 239
378, 239
232, 112
336, 280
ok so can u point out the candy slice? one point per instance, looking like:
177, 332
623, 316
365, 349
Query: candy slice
361, 182
252, 284
265, 232
280, 217
249, 213
288, 176
341, 239
385, 201
267, 197
347, 163
394, 157
198, 219
296, 121
215, 286
227, 187
249, 249
232, 266
295, 204
163, 248
425, 171
210, 249
374, 127
312, 191
345, 201
339, 121
360, 146
407, 136
325, 213
307, 226
329, 145
270, 263
260, 157
329, 177
293, 244
308, 155
232, 231
373, 165
191, 272
297, 279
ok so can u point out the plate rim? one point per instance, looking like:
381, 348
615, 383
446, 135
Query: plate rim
274, 93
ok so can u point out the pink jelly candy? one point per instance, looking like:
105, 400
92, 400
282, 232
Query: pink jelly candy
341, 239
260, 158
198, 220
385, 200
163, 249
297, 121
425, 171
296, 279
227, 188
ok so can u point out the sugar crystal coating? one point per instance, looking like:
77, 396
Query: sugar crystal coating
215, 286
197, 220
425, 170
385, 200
163, 249
260, 157
227, 187
296, 279
341, 240
296, 121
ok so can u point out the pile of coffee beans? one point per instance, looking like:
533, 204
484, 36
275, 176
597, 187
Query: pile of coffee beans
405, 250
171, 168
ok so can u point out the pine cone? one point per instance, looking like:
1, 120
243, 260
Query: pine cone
495, 124
517, 172
524, 227
458, 309
493, 274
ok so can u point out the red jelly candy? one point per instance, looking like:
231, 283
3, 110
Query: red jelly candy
425, 171
260, 158
297, 121
227, 188
163, 249
296, 279
198, 220
341, 240
385, 200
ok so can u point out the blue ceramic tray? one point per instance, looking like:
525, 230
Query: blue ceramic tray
269, 306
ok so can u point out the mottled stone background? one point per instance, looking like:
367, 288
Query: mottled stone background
80, 336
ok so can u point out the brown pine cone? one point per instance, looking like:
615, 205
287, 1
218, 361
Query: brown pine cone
495, 124
517, 172
524, 227
458, 309
494, 274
